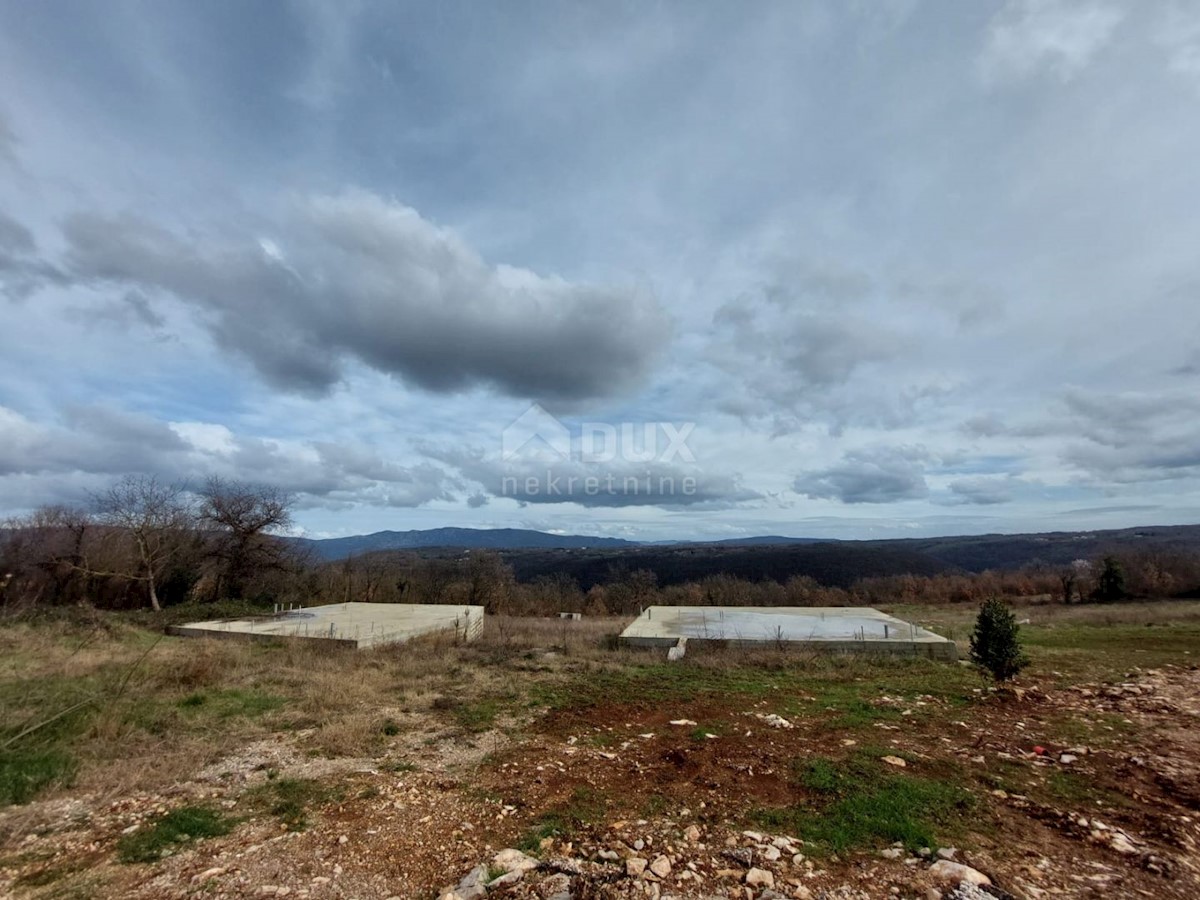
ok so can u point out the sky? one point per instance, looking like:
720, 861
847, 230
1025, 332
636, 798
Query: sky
670, 270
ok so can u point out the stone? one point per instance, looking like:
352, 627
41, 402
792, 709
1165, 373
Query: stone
692, 833
510, 860
506, 880
1120, 842
661, 867
891, 853
770, 854
1067, 758
776, 721
565, 865
895, 761
635, 866
953, 874
556, 887
474, 884
760, 878
947, 852
743, 855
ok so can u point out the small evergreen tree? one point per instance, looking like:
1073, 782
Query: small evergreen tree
995, 644
1111, 584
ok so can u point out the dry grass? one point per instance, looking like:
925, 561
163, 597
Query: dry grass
163, 707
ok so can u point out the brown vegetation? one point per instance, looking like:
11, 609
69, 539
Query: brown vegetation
143, 543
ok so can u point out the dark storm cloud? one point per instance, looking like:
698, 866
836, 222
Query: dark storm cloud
21, 270
880, 475
982, 491
354, 276
8, 142
15, 239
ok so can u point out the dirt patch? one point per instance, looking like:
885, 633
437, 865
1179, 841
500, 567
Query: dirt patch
1083, 791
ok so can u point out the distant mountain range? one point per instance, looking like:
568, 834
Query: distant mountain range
508, 539
466, 538
917, 555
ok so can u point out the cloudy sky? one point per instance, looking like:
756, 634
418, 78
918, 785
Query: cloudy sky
847, 269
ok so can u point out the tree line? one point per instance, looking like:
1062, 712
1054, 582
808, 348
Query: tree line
148, 543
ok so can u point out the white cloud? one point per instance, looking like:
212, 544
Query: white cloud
1058, 36
1178, 32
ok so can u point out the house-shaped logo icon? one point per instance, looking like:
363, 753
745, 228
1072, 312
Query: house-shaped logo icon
535, 434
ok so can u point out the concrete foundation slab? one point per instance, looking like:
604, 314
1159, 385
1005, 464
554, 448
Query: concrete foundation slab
353, 624
837, 628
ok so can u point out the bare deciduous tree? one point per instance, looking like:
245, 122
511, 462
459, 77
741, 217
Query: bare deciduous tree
245, 515
156, 516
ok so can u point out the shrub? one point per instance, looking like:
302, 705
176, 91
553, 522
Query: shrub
1111, 586
995, 644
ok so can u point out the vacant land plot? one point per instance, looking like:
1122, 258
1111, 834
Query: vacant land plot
138, 765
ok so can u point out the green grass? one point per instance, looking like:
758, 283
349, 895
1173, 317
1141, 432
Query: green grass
862, 802
547, 826
1075, 790
648, 684
854, 713
585, 806
477, 715
655, 805
831, 680
230, 703
1095, 729
161, 837
26, 773
1100, 651
289, 799
701, 733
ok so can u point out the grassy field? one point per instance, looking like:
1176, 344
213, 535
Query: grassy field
105, 706
108, 704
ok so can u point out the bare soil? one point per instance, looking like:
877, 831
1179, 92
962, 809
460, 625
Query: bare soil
1121, 819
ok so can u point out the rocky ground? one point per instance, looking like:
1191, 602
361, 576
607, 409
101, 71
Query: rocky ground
625, 799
